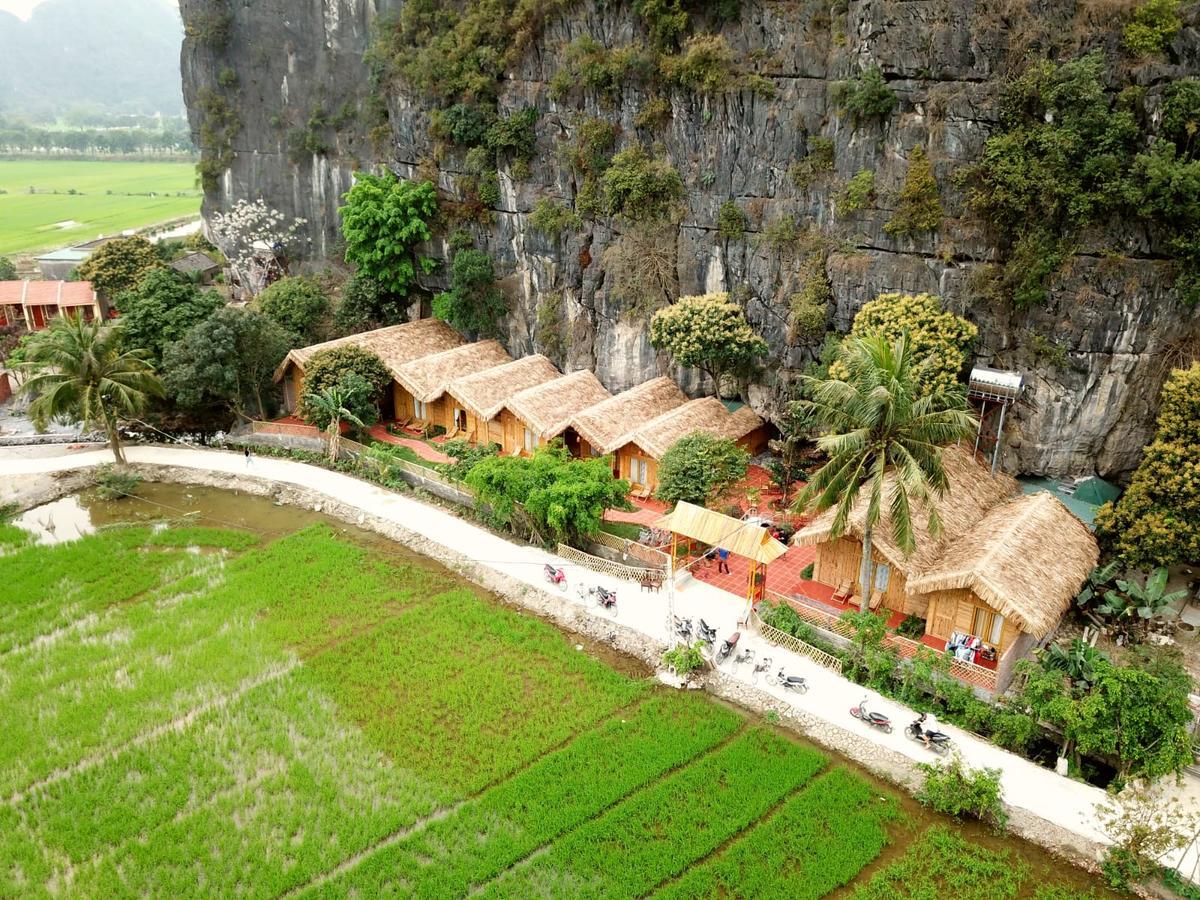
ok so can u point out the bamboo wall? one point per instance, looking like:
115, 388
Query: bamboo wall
626, 456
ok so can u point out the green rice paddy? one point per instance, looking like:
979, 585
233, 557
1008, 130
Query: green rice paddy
196, 712
38, 210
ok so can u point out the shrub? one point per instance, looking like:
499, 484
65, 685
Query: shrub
219, 124
473, 304
298, 304
116, 484
1155, 24
329, 368
957, 790
864, 97
807, 572
384, 219
818, 161
731, 221
699, 468
465, 456
641, 187
464, 124
8, 270
655, 113
553, 217
515, 136
808, 312
918, 208
595, 139
858, 193
365, 304
212, 28
912, 627
666, 20
589, 64
227, 78
684, 658
705, 65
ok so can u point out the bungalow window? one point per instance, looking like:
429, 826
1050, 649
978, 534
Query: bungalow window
883, 574
530, 441
638, 470
420, 408
987, 625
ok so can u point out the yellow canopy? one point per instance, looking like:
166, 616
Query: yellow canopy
746, 539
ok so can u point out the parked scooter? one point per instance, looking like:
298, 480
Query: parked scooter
727, 647
706, 632
939, 743
745, 656
555, 576
874, 719
795, 683
683, 628
604, 597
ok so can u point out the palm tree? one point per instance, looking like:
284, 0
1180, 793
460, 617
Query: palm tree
80, 369
334, 403
875, 421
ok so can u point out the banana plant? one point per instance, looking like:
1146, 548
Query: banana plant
1133, 605
1077, 660
1099, 578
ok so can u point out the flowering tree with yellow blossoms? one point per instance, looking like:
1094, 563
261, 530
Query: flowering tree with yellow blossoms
710, 333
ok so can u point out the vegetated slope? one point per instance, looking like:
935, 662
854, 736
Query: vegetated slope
117, 56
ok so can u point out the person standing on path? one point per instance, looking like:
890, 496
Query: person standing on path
247, 457
722, 561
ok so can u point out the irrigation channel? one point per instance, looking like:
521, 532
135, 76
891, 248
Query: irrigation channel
907, 831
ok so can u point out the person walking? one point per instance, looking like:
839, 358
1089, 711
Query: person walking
722, 561
247, 457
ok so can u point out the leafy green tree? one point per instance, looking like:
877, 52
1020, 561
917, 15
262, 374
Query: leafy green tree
564, 498
699, 468
876, 421
119, 265
473, 304
299, 305
384, 220
328, 368
940, 342
8, 270
708, 332
641, 187
226, 361
337, 404
367, 304
162, 308
83, 370
1157, 520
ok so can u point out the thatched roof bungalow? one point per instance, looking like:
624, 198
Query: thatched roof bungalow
707, 414
421, 385
999, 573
608, 426
544, 412
483, 396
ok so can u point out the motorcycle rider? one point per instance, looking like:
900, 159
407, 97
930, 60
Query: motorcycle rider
929, 726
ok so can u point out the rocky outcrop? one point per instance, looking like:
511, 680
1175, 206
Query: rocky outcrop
1092, 355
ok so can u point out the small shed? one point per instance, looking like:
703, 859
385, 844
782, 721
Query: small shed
197, 266
59, 264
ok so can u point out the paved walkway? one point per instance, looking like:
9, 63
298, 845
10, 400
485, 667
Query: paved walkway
422, 449
1061, 801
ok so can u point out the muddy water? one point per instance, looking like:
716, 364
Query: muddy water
70, 517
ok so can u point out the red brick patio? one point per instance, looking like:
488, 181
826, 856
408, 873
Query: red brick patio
380, 433
646, 513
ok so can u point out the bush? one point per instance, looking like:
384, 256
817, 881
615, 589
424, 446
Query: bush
864, 97
808, 312
1155, 24
818, 161
327, 369
589, 64
553, 217
655, 113
699, 468
8, 270
731, 221
705, 65
957, 790
465, 456
212, 28
473, 304
913, 627
684, 658
116, 484
384, 220
464, 124
858, 193
515, 136
595, 139
298, 305
807, 572
918, 208
641, 187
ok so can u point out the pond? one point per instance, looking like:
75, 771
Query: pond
347, 715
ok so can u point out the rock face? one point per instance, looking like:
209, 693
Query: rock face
1093, 355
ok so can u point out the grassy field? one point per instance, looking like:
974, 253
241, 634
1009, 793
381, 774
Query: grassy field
197, 712
110, 197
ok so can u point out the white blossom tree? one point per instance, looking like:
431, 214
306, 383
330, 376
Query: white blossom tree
256, 239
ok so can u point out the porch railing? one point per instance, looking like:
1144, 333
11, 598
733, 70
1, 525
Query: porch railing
793, 643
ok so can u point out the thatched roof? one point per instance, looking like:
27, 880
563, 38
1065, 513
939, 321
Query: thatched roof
707, 414
395, 345
548, 408
428, 377
973, 491
610, 425
1026, 559
748, 539
486, 392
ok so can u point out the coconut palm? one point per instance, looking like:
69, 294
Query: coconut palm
875, 422
335, 404
80, 369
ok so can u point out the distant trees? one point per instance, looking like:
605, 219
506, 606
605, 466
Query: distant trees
384, 220
700, 468
119, 265
161, 308
299, 305
710, 333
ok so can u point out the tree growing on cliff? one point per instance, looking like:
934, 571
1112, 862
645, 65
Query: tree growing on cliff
250, 229
473, 304
162, 308
699, 468
298, 305
384, 220
329, 368
119, 265
1157, 520
641, 187
367, 304
708, 332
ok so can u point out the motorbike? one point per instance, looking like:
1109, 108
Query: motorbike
762, 666
603, 597
555, 576
745, 656
727, 647
683, 628
939, 743
874, 719
706, 632
791, 682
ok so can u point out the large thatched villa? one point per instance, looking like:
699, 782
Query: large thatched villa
997, 578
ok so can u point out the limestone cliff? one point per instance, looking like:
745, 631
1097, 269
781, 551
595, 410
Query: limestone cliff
1093, 354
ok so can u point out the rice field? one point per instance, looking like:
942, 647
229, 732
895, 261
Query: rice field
46, 204
196, 712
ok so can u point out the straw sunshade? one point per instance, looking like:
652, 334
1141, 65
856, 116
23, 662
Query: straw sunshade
428, 377
1026, 559
746, 539
547, 408
395, 345
973, 490
610, 425
707, 414
485, 393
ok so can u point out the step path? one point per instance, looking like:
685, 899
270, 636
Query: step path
1028, 788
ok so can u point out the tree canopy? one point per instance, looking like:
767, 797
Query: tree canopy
162, 308
473, 304
8, 270
330, 368
119, 265
384, 219
708, 332
226, 361
298, 304
564, 497
700, 468
1157, 520
366, 304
